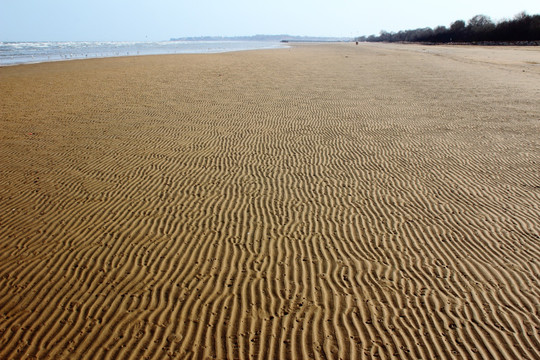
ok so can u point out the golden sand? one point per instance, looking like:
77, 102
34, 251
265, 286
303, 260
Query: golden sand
316, 202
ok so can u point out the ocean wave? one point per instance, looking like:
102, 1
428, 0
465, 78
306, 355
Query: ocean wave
12, 53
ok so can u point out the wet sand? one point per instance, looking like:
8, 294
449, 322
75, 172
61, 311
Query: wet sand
322, 202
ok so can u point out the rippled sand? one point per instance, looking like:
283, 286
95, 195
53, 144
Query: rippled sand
322, 202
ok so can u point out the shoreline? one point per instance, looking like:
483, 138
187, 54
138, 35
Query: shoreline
97, 50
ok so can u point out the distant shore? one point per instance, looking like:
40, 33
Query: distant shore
281, 37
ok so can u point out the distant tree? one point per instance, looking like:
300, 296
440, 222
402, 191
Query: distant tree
385, 36
480, 21
457, 31
441, 34
372, 38
520, 16
458, 25
424, 34
479, 28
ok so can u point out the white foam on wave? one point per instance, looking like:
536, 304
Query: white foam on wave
12, 53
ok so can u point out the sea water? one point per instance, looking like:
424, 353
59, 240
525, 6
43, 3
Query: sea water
12, 53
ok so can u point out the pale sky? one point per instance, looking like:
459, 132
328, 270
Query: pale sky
153, 20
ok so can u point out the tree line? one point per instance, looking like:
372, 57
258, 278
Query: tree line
522, 28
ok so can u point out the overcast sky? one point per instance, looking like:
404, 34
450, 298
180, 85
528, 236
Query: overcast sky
101, 20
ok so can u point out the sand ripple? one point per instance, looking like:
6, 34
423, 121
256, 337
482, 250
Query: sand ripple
316, 202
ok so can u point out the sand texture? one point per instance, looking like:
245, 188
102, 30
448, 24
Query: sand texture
316, 202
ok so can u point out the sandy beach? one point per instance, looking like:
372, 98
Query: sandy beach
324, 201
